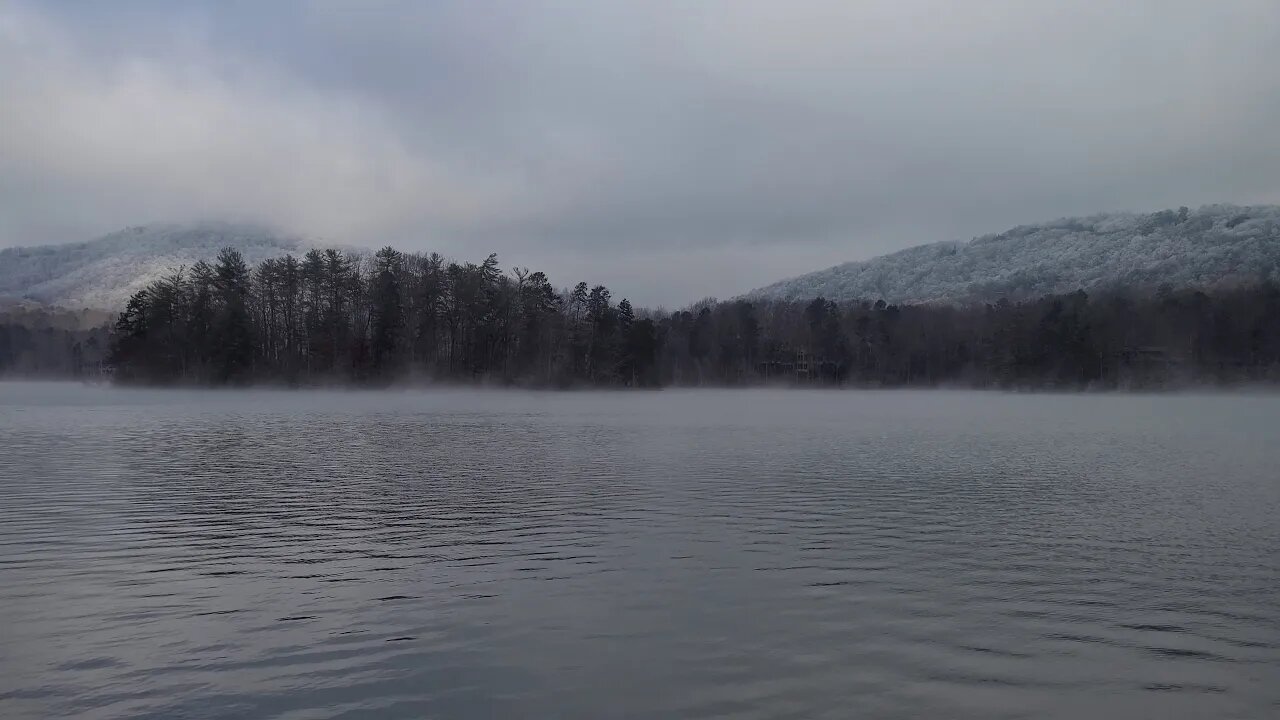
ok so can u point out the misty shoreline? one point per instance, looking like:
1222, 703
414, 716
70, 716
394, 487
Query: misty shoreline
1191, 389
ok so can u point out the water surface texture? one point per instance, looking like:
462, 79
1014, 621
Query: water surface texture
753, 554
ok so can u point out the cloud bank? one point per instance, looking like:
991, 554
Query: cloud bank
670, 150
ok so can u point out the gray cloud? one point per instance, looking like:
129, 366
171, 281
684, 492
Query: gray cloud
669, 150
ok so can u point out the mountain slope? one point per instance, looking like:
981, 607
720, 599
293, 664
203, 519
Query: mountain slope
103, 273
1214, 245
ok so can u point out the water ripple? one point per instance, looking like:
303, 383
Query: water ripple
744, 555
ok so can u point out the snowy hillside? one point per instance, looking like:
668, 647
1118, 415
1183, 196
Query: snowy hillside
1213, 245
103, 273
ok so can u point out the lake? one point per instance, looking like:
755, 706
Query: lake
709, 554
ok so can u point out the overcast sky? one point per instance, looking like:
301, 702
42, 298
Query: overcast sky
669, 150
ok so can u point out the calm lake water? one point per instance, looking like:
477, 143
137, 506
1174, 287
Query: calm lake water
752, 554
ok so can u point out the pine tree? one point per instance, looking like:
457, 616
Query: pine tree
232, 332
386, 311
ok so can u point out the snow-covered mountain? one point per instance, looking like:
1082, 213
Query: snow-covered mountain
103, 273
1214, 245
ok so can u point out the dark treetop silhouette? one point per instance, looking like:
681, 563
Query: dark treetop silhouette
333, 317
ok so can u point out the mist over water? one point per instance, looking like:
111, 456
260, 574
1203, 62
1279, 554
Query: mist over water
730, 554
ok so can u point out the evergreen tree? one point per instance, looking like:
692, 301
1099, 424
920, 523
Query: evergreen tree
387, 311
232, 331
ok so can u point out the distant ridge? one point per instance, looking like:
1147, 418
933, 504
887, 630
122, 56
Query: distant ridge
1204, 248
1208, 247
103, 273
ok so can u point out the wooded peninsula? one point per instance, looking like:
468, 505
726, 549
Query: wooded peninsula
335, 318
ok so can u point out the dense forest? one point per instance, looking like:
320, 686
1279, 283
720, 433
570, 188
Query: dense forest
331, 317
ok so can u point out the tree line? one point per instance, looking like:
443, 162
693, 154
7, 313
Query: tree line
333, 317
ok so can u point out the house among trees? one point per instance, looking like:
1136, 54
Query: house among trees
1145, 366
798, 365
